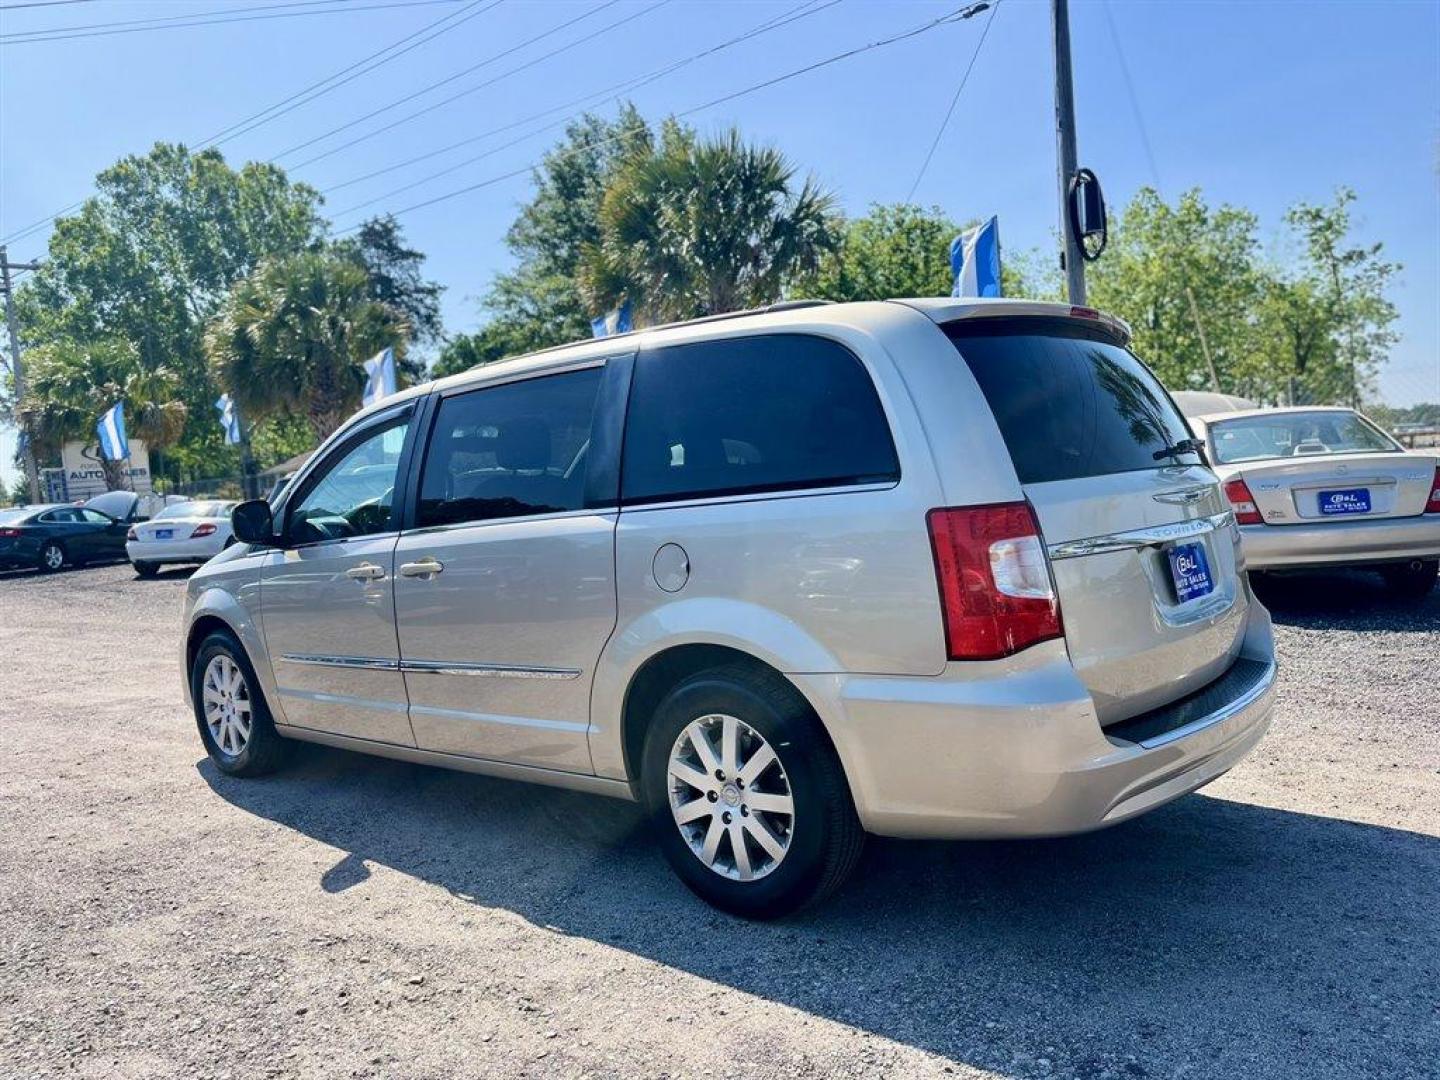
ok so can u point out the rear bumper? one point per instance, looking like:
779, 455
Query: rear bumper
1340, 543
1020, 751
171, 551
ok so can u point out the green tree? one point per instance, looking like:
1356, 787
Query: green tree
703, 226
894, 251
292, 339
1185, 278
71, 386
1340, 286
396, 278
151, 256
537, 304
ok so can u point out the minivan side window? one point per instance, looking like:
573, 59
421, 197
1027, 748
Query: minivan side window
355, 494
773, 412
510, 450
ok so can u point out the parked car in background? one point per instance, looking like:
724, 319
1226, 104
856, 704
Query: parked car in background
852, 574
1326, 487
187, 532
130, 507
48, 537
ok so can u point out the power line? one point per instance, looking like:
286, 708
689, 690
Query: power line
1130, 90
469, 90
201, 14
965, 78
348, 9
785, 19
43, 3
250, 123
953, 16
225, 134
614, 89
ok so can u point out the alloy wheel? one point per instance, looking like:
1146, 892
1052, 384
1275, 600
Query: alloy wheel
54, 557
226, 698
730, 797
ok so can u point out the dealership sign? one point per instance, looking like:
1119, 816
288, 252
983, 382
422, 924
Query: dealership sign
84, 471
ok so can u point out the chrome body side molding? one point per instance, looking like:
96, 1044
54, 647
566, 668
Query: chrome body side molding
432, 667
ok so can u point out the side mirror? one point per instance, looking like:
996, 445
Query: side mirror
253, 523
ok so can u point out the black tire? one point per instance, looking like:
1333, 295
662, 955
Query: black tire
147, 569
264, 751
826, 839
1411, 582
48, 562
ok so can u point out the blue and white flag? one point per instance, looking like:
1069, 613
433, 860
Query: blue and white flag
617, 322
975, 260
379, 377
111, 429
229, 418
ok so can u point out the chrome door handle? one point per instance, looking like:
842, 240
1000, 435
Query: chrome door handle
366, 571
426, 567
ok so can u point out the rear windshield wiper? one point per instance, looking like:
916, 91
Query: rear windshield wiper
1184, 446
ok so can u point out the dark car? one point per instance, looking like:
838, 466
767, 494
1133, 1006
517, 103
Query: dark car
48, 537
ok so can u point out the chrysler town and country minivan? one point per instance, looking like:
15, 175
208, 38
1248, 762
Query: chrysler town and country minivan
924, 568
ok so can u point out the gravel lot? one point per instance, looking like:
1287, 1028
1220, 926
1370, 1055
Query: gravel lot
355, 917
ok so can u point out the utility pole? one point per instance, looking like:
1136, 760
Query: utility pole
32, 471
1065, 149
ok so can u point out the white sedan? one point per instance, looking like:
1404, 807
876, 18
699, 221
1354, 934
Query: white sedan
189, 532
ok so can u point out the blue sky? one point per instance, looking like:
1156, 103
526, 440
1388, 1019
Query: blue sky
1258, 104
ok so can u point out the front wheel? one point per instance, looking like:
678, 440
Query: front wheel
234, 721
746, 795
1411, 581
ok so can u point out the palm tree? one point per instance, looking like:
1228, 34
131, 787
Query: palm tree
292, 339
700, 227
72, 384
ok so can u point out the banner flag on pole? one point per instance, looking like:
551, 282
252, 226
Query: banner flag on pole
111, 429
229, 419
617, 322
975, 260
379, 377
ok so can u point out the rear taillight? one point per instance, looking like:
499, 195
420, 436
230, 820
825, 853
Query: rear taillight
131, 534
995, 590
1432, 505
1243, 503
203, 529
9, 534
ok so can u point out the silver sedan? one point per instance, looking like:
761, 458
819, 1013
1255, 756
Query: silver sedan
1325, 487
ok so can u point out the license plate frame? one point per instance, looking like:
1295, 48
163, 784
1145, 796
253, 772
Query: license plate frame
1340, 502
164, 534
1190, 571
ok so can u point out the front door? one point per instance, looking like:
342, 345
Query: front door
327, 595
106, 539
505, 589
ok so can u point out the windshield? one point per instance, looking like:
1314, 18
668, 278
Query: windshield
1070, 402
1283, 435
195, 510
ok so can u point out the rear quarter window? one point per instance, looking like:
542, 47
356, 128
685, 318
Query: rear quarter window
1069, 402
739, 415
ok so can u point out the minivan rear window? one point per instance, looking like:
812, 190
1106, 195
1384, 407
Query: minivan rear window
1070, 403
772, 412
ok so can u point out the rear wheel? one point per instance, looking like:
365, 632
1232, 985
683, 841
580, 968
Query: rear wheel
52, 557
1411, 581
234, 721
147, 569
747, 798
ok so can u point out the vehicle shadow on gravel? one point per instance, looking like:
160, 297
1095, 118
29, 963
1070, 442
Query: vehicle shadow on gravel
1343, 600
1210, 937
